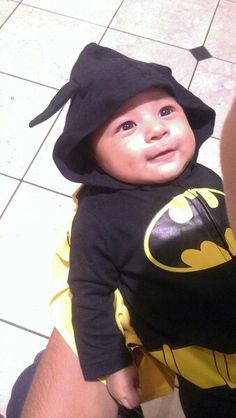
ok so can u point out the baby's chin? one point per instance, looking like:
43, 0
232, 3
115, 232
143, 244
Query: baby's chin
152, 175
166, 175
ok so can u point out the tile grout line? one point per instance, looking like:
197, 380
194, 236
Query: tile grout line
61, 14
163, 43
46, 188
39, 334
34, 184
22, 182
42, 143
29, 81
112, 18
27, 169
212, 19
8, 17
10, 200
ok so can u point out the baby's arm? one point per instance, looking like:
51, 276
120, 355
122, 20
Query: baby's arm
93, 278
123, 386
228, 162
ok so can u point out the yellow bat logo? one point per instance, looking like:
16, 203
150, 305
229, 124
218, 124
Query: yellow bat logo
179, 239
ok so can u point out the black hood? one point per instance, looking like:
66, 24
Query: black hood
101, 81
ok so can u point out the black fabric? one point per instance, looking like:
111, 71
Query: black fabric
19, 392
207, 403
21, 388
130, 413
100, 81
171, 308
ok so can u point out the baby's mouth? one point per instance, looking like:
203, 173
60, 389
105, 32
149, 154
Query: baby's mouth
162, 155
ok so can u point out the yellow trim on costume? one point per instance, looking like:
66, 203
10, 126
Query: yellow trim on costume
201, 366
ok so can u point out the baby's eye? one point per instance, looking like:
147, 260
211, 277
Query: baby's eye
127, 125
166, 110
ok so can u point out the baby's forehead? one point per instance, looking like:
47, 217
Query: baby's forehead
153, 94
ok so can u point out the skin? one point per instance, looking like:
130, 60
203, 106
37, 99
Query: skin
227, 150
148, 141
59, 390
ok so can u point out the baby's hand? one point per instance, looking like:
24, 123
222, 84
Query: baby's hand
124, 387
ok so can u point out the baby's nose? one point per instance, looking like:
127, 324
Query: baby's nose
155, 128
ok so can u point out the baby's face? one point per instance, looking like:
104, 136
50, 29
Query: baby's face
149, 140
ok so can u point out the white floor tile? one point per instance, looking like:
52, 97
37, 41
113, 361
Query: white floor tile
43, 46
6, 8
18, 349
19, 102
30, 231
209, 155
97, 11
7, 187
215, 83
182, 23
165, 407
44, 171
221, 41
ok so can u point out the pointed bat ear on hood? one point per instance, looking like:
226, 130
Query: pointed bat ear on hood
58, 101
101, 80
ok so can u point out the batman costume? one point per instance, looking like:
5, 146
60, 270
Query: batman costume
168, 248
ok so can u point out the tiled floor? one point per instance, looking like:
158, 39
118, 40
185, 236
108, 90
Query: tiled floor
39, 42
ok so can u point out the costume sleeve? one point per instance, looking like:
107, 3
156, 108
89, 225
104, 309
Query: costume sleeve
93, 278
